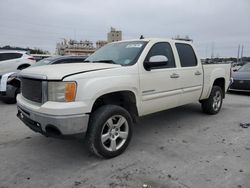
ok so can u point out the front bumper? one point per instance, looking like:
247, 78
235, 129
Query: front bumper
53, 125
240, 85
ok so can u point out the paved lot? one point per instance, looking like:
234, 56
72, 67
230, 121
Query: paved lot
181, 147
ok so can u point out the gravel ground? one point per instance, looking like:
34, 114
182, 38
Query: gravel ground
181, 147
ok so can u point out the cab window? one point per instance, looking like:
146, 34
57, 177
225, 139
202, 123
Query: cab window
186, 55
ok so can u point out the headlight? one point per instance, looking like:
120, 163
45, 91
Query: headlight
61, 91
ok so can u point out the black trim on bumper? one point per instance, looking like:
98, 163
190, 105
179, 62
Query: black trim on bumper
35, 126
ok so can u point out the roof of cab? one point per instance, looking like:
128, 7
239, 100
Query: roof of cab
157, 40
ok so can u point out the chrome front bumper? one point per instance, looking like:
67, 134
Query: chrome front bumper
44, 123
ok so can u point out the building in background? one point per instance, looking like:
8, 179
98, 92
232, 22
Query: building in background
73, 47
100, 43
114, 35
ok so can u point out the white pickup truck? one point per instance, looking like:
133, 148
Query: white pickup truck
118, 83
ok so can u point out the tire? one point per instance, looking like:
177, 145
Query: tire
11, 100
213, 104
106, 137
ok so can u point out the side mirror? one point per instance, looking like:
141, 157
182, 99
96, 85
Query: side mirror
155, 61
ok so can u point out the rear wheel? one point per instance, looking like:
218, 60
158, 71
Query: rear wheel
213, 104
110, 130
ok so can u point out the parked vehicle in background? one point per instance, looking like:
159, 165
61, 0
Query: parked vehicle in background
39, 57
12, 60
10, 83
60, 60
241, 79
235, 66
118, 83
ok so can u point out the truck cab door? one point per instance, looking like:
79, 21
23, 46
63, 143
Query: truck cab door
191, 73
159, 84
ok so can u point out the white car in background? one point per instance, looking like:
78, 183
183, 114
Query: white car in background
12, 60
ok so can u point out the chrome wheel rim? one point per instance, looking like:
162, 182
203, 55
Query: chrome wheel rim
114, 133
217, 101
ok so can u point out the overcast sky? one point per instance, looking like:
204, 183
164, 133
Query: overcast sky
223, 24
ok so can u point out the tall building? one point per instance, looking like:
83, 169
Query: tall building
114, 35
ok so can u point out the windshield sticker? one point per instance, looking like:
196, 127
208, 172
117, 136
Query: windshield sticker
134, 46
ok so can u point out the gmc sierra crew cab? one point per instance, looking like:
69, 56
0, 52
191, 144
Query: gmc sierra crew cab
120, 82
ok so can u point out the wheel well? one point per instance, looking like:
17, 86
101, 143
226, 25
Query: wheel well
23, 66
125, 99
221, 83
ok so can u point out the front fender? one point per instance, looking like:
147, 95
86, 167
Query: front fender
91, 89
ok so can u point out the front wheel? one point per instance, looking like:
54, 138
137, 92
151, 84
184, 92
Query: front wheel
213, 104
110, 130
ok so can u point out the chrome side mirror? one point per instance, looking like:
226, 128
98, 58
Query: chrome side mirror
155, 61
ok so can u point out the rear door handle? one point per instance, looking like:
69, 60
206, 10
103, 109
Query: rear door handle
197, 73
174, 75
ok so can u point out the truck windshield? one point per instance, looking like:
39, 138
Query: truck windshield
123, 53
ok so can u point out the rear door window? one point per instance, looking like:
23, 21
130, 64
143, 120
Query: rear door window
186, 55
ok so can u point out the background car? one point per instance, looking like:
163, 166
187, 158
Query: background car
241, 79
12, 84
14, 60
60, 60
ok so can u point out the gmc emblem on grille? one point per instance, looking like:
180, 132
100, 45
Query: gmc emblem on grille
241, 81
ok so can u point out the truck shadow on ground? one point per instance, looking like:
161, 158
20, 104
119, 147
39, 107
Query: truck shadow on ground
240, 93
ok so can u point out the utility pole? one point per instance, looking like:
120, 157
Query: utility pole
241, 59
212, 53
238, 55
206, 51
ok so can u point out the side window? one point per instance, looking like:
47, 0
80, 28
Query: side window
162, 48
186, 55
9, 56
16, 55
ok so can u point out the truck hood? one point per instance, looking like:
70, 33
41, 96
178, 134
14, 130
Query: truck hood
60, 71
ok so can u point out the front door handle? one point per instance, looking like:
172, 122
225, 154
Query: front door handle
174, 75
197, 73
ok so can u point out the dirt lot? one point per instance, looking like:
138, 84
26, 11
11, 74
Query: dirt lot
181, 147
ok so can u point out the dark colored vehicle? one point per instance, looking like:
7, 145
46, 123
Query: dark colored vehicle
8, 95
241, 79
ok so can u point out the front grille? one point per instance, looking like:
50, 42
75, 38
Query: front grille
241, 84
31, 89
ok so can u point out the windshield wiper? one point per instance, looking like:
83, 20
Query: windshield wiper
105, 61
